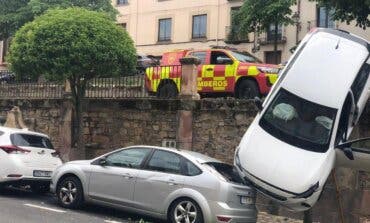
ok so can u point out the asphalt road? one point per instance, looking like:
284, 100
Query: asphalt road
21, 206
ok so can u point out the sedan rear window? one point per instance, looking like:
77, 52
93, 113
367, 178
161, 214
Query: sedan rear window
227, 171
31, 141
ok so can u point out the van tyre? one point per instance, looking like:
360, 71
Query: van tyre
167, 90
185, 210
247, 89
70, 193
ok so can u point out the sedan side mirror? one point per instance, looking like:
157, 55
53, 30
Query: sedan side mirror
258, 103
348, 152
102, 161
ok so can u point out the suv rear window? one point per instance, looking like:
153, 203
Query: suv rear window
31, 141
227, 171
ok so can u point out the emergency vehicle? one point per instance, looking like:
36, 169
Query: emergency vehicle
222, 71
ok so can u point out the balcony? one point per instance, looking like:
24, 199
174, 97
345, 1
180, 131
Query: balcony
269, 39
233, 36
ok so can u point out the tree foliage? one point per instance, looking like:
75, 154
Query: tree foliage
347, 11
258, 15
15, 13
72, 44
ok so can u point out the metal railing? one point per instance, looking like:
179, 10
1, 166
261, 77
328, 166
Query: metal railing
105, 88
120, 87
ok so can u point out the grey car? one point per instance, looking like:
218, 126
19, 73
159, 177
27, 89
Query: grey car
177, 185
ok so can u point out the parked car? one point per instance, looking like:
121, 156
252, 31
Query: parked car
145, 61
7, 77
223, 71
26, 159
178, 185
302, 129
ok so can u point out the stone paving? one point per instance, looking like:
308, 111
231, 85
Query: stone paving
263, 217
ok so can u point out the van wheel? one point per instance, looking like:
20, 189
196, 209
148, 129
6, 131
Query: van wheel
247, 89
70, 193
185, 210
167, 90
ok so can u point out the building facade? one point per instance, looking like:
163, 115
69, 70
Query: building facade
157, 26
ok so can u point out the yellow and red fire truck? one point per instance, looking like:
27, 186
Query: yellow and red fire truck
221, 71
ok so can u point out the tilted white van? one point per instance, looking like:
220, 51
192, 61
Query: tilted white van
301, 131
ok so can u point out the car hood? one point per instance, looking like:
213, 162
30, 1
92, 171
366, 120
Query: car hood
280, 164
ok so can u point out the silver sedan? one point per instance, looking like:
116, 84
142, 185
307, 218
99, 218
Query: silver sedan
177, 185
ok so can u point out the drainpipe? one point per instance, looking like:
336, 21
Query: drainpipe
218, 21
298, 22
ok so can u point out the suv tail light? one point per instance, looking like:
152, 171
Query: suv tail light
14, 150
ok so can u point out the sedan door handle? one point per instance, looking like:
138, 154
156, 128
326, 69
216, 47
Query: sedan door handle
171, 182
209, 69
127, 176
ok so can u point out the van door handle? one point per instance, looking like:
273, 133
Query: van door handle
171, 182
127, 176
209, 69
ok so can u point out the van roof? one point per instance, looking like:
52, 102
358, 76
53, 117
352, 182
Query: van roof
325, 66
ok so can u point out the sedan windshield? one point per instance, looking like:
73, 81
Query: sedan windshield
299, 122
245, 57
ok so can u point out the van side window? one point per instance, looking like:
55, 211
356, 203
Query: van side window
360, 81
216, 55
344, 120
200, 55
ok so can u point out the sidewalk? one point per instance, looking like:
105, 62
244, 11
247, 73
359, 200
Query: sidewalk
263, 217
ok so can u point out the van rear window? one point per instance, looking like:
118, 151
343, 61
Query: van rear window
31, 141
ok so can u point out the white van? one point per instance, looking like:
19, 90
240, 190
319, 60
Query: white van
300, 133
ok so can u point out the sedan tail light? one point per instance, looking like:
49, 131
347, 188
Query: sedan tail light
14, 150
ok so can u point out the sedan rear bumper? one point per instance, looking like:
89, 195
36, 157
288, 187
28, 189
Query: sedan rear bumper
223, 210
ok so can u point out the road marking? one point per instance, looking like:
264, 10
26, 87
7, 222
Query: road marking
109, 221
44, 208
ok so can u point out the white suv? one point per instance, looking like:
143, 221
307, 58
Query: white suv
26, 159
301, 132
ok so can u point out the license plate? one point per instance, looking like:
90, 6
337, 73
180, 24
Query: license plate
246, 200
41, 173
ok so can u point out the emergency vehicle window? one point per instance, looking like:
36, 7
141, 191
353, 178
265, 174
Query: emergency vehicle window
200, 55
216, 55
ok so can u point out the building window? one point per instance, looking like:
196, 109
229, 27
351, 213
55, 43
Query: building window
122, 2
325, 17
164, 30
122, 25
272, 57
271, 32
199, 26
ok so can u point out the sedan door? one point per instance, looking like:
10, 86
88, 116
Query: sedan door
355, 154
113, 177
161, 177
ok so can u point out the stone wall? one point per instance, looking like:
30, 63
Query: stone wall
217, 127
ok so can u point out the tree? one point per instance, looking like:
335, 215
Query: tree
72, 44
257, 16
347, 11
15, 13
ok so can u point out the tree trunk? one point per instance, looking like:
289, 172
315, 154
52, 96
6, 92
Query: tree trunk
276, 42
78, 92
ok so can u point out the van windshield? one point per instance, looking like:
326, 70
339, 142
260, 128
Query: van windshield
299, 122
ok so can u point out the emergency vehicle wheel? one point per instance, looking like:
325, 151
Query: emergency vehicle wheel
167, 90
247, 89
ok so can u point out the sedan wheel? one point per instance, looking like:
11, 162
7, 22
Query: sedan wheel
69, 192
186, 211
